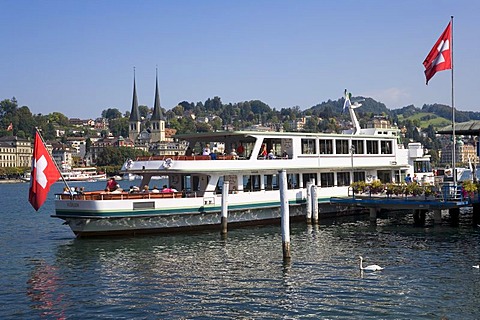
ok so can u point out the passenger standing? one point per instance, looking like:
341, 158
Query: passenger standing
408, 179
415, 178
206, 150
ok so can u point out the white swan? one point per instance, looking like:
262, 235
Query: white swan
372, 267
477, 266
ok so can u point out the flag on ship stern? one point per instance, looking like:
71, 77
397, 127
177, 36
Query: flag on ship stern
44, 173
440, 57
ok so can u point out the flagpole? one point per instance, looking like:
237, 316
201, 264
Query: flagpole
55, 163
453, 111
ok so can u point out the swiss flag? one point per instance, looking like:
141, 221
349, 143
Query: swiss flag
440, 57
44, 173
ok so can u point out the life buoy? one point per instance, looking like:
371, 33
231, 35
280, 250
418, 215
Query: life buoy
168, 163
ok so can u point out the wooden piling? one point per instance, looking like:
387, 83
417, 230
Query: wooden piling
437, 216
476, 214
454, 216
314, 204
309, 202
373, 215
225, 207
285, 215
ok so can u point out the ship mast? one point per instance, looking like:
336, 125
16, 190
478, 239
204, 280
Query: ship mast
348, 105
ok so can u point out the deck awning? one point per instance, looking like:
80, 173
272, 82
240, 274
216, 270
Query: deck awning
471, 128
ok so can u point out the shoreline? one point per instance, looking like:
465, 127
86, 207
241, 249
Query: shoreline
5, 181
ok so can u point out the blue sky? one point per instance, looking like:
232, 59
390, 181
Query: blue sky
77, 57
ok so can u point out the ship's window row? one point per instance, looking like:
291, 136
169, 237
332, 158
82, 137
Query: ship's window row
346, 146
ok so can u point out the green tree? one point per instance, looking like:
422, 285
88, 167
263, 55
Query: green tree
144, 111
118, 127
118, 156
111, 113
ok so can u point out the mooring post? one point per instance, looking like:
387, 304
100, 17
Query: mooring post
309, 202
225, 206
314, 204
285, 214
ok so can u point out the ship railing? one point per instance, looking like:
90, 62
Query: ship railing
188, 158
451, 192
100, 195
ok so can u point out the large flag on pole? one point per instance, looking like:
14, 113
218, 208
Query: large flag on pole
440, 57
44, 174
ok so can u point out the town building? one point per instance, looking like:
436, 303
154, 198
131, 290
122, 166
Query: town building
15, 152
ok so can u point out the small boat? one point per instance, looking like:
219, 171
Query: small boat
82, 174
196, 182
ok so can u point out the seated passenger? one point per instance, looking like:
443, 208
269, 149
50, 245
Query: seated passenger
271, 155
166, 189
134, 189
155, 189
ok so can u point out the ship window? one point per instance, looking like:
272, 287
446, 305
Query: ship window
307, 177
358, 176
341, 147
308, 146
326, 179
358, 146
271, 182
251, 183
372, 147
292, 180
326, 146
384, 176
422, 166
386, 147
343, 179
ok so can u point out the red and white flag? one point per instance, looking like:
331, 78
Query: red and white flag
44, 174
440, 57
10, 127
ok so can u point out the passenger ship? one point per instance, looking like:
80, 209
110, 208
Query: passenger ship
84, 174
331, 161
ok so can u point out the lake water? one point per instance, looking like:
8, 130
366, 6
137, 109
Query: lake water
48, 274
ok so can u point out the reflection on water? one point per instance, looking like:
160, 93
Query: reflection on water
244, 276
43, 289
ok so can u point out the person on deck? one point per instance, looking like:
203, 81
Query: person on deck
112, 185
166, 189
271, 155
206, 150
408, 179
264, 152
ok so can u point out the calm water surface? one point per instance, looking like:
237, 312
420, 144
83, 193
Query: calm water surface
48, 274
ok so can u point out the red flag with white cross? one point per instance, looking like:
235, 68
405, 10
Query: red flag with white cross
440, 57
44, 174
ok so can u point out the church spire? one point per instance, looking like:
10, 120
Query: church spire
157, 111
134, 114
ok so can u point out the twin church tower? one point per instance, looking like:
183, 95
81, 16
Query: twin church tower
156, 132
